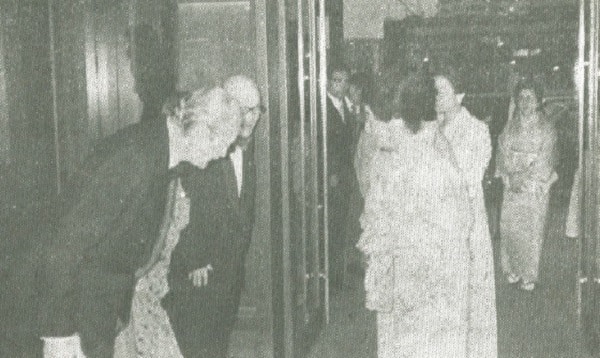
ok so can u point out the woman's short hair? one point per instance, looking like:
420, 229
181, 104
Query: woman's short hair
417, 97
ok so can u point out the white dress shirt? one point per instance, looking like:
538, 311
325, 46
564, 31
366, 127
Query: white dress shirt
237, 159
350, 106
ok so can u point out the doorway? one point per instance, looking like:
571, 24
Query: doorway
589, 162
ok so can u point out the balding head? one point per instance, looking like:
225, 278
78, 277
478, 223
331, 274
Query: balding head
245, 92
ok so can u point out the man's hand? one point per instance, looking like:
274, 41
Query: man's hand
199, 277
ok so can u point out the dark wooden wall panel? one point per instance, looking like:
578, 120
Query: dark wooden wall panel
28, 181
29, 101
4, 125
71, 95
213, 42
96, 89
335, 13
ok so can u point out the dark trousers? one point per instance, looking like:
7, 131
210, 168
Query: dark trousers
201, 335
104, 300
203, 323
338, 212
353, 257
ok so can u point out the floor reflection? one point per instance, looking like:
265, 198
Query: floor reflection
540, 324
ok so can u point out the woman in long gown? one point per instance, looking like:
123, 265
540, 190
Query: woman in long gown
526, 166
417, 222
471, 144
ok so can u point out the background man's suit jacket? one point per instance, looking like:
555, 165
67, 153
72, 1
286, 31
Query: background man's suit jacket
218, 234
110, 221
339, 141
339, 156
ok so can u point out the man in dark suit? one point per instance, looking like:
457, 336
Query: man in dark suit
339, 168
207, 266
110, 225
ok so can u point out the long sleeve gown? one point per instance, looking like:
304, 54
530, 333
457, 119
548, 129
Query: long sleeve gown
417, 224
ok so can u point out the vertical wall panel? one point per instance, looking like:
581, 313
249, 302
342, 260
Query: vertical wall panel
110, 25
96, 91
4, 128
213, 41
28, 99
71, 92
130, 106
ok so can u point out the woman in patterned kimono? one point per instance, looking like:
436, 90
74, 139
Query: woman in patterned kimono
416, 227
526, 166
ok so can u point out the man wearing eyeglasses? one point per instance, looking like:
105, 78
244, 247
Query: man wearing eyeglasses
206, 274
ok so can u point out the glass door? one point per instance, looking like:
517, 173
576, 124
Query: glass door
308, 209
589, 161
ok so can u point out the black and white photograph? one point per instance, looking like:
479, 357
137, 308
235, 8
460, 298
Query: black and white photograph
299, 179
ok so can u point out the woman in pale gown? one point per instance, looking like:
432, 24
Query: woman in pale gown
471, 144
416, 227
526, 166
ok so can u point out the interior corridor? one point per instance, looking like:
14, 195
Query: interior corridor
540, 324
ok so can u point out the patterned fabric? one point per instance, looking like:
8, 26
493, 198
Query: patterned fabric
526, 158
471, 144
149, 332
417, 223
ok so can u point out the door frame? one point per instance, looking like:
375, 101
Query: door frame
589, 164
273, 70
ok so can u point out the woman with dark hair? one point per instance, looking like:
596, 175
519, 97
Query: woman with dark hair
416, 227
470, 141
526, 166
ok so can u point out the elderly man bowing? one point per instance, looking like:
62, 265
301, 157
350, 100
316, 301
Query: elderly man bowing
107, 237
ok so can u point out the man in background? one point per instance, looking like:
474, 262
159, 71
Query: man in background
339, 160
